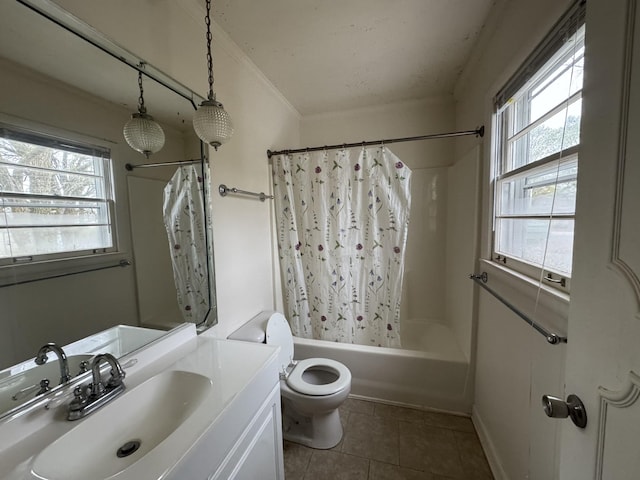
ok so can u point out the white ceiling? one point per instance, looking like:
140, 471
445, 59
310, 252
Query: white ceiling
335, 55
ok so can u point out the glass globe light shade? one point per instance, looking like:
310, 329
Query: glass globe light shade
143, 134
212, 123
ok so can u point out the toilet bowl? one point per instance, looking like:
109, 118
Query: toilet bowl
311, 389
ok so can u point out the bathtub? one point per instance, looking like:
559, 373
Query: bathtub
431, 372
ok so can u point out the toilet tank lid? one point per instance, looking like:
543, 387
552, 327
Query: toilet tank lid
254, 330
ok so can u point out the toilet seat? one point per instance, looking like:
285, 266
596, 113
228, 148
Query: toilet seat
296, 382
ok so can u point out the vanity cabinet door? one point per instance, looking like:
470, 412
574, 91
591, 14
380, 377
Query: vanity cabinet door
258, 452
260, 459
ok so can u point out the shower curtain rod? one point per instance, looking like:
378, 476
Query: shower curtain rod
130, 167
478, 132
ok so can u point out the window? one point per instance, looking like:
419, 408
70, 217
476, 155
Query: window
56, 198
537, 139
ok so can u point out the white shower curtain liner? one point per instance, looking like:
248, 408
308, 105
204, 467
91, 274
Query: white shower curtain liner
342, 220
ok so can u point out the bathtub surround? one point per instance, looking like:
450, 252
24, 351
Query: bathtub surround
341, 219
435, 376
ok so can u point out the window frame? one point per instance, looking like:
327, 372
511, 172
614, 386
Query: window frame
539, 68
26, 268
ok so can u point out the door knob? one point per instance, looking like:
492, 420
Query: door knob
555, 407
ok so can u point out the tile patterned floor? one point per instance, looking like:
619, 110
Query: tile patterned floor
385, 442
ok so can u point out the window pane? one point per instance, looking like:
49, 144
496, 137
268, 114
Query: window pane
47, 240
27, 154
55, 196
557, 133
526, 239
14, 179
561, 84
5, 246
541, 191
35, 212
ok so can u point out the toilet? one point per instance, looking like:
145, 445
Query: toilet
311, 390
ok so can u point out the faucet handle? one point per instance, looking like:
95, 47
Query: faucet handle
79, 393
116, 375
41, 358
115, 380
44, 386
80, 397
84, 366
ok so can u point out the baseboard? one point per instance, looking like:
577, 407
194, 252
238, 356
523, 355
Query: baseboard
408, 405
487, 445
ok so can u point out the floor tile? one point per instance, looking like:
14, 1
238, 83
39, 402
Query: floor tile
399, 413
375, 438
430, 449
444, 420
360, 406
385, 471
328, 465
474, 462
388, 442
296, 460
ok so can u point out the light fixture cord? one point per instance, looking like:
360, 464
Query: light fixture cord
141, 107
207, 20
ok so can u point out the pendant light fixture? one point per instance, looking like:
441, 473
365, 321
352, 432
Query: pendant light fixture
142, 133
211, 122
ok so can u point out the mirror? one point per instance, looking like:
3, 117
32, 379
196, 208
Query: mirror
56, 83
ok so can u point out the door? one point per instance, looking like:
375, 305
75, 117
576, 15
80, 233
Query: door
603, 353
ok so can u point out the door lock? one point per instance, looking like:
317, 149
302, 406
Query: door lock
555, 407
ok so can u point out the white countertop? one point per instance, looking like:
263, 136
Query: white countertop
235, 369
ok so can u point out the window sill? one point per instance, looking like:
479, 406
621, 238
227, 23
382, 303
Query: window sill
36, 271
543, 304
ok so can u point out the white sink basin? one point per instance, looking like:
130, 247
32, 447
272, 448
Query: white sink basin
103, 445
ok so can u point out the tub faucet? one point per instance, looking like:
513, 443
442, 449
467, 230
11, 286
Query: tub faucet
97, 393
41, 359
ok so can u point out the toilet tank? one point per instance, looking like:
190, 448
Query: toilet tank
254, 330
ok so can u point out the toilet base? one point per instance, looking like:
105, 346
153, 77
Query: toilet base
321, 431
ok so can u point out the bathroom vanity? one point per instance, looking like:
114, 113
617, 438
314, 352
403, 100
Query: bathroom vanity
193, 407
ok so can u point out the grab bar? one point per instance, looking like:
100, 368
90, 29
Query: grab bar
224, 191
552, 338
122, 263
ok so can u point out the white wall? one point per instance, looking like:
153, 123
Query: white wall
171, 36
514, 364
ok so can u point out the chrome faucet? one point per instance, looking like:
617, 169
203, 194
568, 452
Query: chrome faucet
41, 359
97, 393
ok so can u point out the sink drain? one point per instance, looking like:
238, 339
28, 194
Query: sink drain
128, 448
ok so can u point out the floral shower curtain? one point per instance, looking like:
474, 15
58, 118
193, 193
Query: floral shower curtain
183, 212
342, 220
